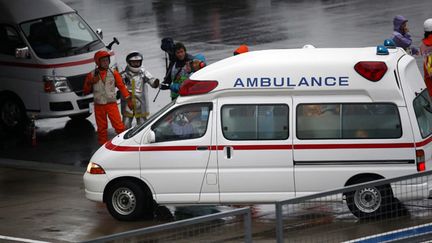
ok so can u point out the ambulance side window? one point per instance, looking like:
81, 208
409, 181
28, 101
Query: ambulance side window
423, 112
255, 122
9, 40
348, 121
184, 122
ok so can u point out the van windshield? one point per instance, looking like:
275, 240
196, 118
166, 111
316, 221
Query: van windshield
60, 36
132, 132
423, 112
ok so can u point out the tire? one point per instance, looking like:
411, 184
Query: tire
370, 202
126, 201
13, 116
81, 116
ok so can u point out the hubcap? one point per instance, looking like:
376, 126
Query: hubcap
10, 113
368, 200
124, 201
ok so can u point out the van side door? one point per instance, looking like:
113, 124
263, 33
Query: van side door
346, 137
175, 164
254, 149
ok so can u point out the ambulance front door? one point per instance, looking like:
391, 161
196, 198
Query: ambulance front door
254, 149
175, 164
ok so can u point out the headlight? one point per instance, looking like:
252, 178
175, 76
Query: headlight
94, 168
56, 84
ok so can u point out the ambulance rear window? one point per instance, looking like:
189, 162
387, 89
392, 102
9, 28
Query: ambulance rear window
423, 110
348, 121
255, 122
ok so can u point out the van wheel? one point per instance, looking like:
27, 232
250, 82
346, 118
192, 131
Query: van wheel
370, 202
12, 113
126, 201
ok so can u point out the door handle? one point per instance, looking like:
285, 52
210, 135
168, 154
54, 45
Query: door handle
202, 148
228, 152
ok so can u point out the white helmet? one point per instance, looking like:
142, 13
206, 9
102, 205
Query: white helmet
134, 56
428, 25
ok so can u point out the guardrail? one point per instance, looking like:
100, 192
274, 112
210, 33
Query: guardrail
329, 216
195, 229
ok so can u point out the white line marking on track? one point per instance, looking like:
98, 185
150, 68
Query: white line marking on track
3, 237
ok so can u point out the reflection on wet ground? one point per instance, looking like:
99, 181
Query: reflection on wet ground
70, 142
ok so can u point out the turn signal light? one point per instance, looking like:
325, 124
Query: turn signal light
195, 87
94, 168
49, 87
420, 159
372, 71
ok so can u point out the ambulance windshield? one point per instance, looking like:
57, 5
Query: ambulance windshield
132, 132
423, 110
60, 36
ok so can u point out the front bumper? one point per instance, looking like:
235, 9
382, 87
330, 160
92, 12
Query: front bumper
63, 104
95, 186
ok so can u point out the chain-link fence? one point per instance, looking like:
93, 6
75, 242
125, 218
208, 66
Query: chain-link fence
234, 225
356, 211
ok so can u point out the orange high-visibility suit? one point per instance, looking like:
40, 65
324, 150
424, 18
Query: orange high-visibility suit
103, 83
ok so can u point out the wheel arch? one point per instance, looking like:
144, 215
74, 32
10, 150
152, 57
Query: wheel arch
140, 183
357, 177
7, 93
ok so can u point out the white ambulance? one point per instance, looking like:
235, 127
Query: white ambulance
271, 125
46, 49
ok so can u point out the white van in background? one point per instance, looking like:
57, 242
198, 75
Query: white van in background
46, 50
271, 125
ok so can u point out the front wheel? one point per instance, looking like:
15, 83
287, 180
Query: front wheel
371, 201
12, 113
126, 201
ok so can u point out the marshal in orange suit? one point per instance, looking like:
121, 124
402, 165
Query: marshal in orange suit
102, 82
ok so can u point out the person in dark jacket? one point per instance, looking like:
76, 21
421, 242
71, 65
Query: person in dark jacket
400, 34
177, 72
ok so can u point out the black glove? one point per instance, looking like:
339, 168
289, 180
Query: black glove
164, 86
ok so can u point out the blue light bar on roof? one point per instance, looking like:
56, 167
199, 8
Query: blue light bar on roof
389, 43
382, 50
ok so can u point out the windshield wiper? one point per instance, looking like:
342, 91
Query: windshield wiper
77, 49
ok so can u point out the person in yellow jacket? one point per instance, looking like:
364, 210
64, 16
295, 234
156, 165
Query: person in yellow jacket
102, 82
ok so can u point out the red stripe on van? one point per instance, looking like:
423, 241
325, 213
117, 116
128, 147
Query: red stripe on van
354, 146
56, 65
424, 142
113, 147
262, 147
169, 148
109, 145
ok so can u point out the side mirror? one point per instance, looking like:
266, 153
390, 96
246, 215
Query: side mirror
22, 53
150, 137
99, 32
114, 41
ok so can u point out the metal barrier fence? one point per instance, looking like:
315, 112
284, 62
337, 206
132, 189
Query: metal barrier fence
356, 211
234, 225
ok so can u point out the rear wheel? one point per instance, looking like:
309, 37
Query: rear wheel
126, 201
371, 201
